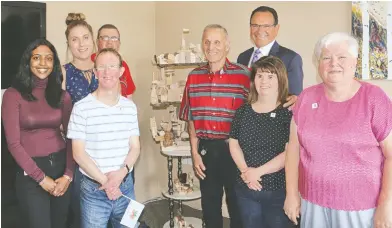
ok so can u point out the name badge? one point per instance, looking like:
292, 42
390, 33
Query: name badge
273, 115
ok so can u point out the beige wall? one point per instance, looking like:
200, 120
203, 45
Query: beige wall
149, 28
136, 22
301, 24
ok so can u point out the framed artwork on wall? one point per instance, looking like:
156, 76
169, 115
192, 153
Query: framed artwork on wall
369, 24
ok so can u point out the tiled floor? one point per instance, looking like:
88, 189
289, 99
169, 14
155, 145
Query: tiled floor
156, 213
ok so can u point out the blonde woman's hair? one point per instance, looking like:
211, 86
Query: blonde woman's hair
74, 20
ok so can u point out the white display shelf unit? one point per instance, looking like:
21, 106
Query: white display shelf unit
178, 152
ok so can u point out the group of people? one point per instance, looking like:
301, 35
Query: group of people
60, 123
324, 162
283, 156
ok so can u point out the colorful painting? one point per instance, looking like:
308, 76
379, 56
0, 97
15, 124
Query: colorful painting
370, 22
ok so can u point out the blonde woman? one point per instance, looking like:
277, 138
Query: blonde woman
79, 82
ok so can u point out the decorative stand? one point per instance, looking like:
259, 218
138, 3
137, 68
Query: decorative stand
178, 153
172, 134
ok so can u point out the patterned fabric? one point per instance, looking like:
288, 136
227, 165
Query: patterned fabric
105, 130
77, 85
262, 137
211, 99
256, 56
340, 156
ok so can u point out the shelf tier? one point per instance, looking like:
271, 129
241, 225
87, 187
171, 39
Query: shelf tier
180, 64
177, 151
164, 105
196, 194
195, 222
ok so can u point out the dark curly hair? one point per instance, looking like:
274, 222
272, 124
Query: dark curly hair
24, 82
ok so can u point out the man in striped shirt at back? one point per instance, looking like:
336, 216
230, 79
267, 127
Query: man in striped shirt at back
212, 94
105, 140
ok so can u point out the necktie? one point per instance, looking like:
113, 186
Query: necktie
256, 56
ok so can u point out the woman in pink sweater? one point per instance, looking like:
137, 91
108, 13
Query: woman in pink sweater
339, 158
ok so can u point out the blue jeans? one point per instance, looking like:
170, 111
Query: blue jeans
97, 209
262, 209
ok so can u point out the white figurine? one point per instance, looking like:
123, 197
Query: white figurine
153, 127
154, 95
173, 113
161, 59
169, 74
183, 43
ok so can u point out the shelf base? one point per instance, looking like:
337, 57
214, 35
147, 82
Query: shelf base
196, 222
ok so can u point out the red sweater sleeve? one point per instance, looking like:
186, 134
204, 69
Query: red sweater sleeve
66, 113
10, 112
130, 89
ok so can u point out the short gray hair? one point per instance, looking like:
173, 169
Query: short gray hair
333, 38
216, 26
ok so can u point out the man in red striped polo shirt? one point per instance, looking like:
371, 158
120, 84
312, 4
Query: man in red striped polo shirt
212, 94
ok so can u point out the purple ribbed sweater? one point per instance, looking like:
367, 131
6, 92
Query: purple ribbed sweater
32, 128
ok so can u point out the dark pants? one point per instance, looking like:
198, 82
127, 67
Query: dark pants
262, 209
75, 219
220, 174
75, 200
39, 208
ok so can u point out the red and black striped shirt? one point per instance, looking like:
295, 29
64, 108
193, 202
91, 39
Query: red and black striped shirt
211, 99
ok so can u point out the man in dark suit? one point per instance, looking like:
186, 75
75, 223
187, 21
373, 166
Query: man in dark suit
264, 28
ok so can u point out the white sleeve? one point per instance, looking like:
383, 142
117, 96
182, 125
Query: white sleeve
77, 124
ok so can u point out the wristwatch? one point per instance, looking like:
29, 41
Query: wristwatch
68, 178
126, 166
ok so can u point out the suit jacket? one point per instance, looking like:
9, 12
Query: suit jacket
291, 60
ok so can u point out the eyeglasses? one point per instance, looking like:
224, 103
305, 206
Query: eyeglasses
109, 67
256, 26
107, 38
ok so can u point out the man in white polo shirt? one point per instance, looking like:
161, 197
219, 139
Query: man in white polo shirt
105, 140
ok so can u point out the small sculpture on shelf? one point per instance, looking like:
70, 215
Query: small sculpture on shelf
172, 132
186, 54
179, 222
168, 136
164, 91
159, 92
184, 184
176, 91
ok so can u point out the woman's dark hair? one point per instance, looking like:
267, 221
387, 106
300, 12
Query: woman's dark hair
263, 9
24, 82
273, 65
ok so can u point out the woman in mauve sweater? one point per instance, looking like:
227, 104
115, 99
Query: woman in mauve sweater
32, 111
339, 157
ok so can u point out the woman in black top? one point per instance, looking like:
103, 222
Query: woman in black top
259, 133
